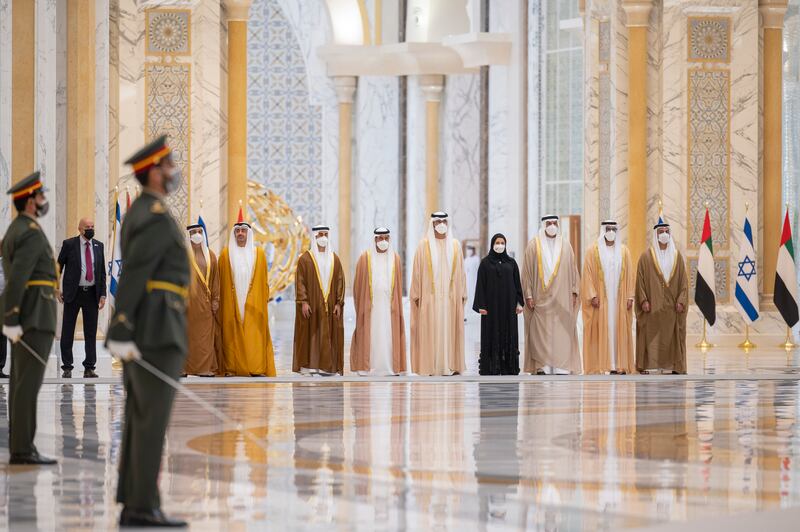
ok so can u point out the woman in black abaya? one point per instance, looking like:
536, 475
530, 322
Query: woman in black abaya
498, 299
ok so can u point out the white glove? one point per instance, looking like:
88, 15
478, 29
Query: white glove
12, 332
124, 351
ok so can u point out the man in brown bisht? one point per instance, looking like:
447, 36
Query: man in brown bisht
379, 341
550, 285
319, 321
607, 289
662, 294
438, 293
203, 304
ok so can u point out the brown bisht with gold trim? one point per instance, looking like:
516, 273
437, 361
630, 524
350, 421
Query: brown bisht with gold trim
319, 339
661, 333
200, 315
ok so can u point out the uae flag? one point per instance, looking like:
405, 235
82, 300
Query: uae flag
704, 286
785, 295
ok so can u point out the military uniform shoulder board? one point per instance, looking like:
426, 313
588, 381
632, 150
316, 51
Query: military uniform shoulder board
157, 208
33, 225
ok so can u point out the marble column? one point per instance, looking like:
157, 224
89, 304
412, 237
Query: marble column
101, 38
345, 92
80, 112
44, 140
638, 13
238, 13
207, 124
23, 87
772, 12
507, 100
5, 108
432, 86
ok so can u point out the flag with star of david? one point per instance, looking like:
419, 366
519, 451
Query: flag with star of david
746, 295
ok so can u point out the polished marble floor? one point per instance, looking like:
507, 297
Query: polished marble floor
716, 449
427, 456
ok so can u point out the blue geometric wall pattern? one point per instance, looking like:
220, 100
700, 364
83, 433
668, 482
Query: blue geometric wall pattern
284, 138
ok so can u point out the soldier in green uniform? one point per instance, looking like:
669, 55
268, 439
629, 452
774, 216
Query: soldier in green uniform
29, 310
149, 323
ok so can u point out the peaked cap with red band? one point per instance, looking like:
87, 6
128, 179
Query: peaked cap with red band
27, 187
149, 156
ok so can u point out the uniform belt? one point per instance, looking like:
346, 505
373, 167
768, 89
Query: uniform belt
51, 284
167, 287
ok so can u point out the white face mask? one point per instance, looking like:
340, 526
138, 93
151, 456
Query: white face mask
383, 245
551, 230
611, 236
663, 238
441, 229
196, 238
322, 241
499, 248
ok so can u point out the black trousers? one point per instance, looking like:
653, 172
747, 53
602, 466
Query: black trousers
3, 351
27, 374
85, 302
148, 405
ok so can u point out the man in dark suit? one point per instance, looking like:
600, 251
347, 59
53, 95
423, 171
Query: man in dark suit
82, 263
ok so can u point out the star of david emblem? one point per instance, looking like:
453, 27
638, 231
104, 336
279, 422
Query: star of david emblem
747, 268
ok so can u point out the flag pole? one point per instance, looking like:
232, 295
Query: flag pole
788, 344
747, 344
704, 343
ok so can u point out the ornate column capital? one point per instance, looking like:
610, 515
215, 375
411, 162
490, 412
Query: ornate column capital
638, 12
432, 86
345, 88
772, 12
238, 9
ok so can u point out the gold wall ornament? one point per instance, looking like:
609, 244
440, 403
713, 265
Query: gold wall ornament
282, 234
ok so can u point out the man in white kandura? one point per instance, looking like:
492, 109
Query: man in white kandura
379, 340
438, 293
550, 284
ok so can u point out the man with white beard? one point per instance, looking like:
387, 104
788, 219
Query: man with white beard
379, 343
607, 291
319, 317
550, 284
244, 288
438, 293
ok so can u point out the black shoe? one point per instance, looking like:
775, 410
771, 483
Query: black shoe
31, 459
3, 375
89, 374
67, 374
147, 519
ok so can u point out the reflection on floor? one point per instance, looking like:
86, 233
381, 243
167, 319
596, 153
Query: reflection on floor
466, 453
420, 456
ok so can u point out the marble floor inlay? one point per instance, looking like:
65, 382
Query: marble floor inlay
532, 455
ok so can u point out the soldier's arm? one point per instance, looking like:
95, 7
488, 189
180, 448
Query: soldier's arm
143, 254
26, 253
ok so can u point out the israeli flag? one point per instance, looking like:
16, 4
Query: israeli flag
115, 266
746, 278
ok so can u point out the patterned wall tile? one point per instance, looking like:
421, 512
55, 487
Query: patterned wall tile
709, 39
284, 138
709, 155
168, 32
721, 272
168, 111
